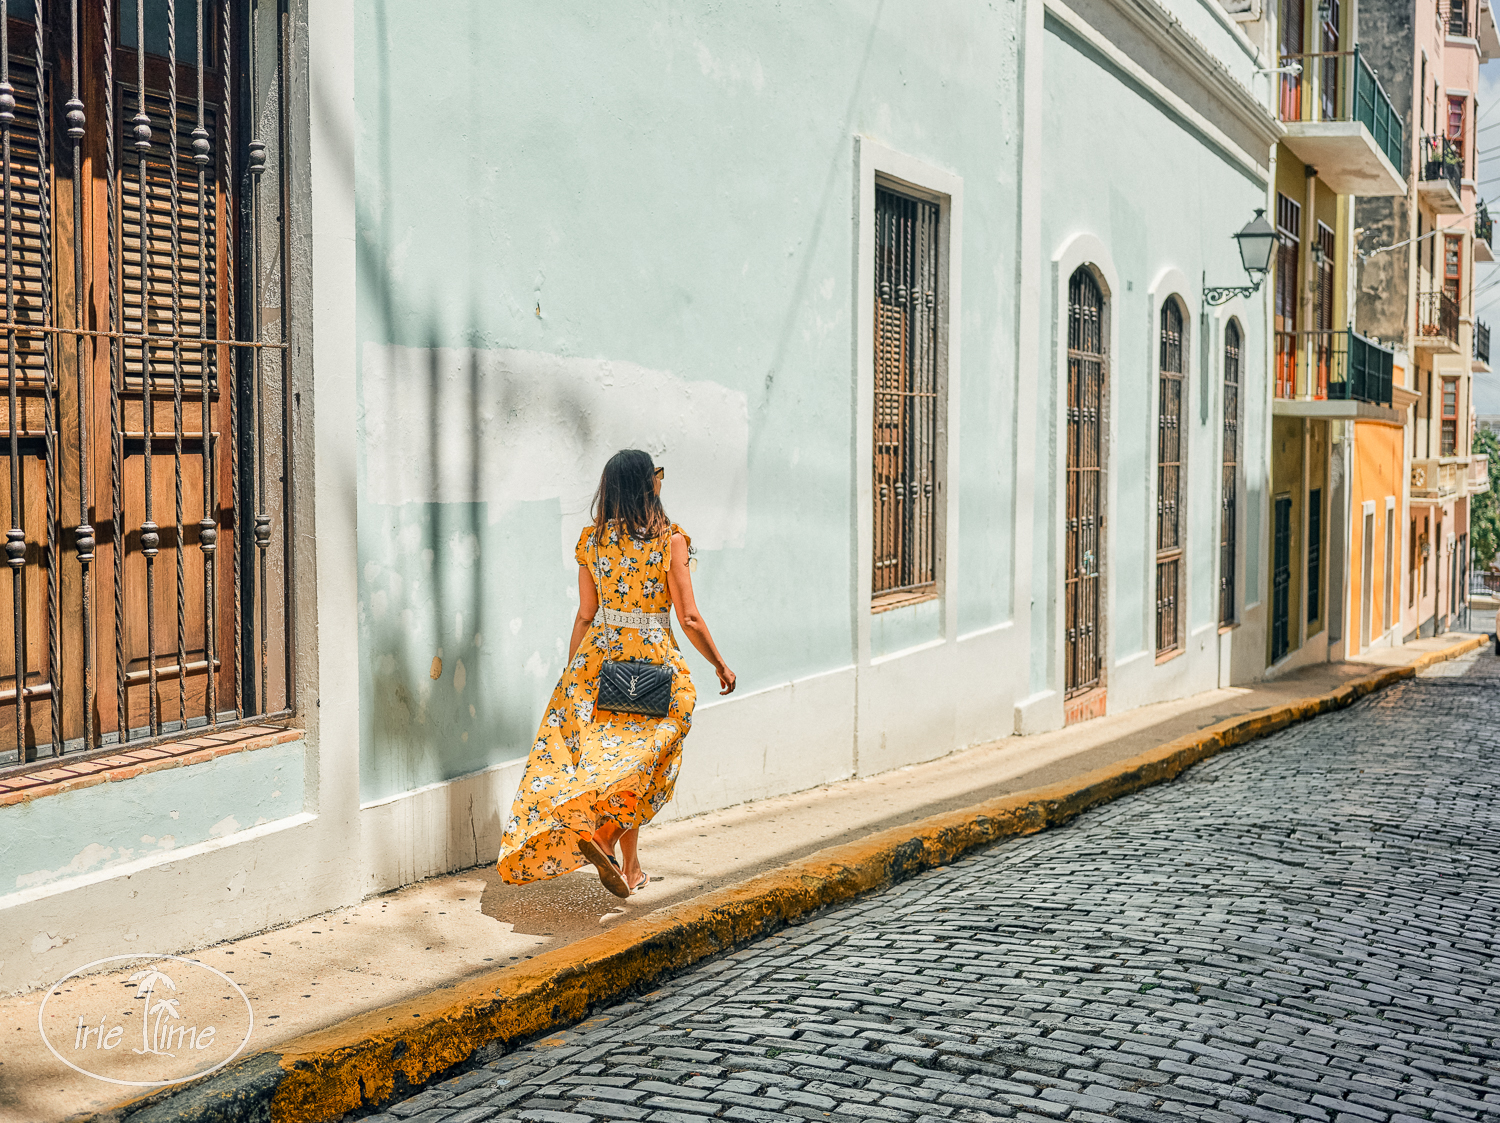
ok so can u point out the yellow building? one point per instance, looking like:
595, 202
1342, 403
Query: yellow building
1331, 385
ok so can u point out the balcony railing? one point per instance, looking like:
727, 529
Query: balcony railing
1484, 226
1438, 477
1482, 342
1441, 158
1437, 318
1479, 474
1458, 18
1332, 366
1340, 86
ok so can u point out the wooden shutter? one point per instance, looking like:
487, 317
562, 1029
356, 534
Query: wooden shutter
22, 271
148, 278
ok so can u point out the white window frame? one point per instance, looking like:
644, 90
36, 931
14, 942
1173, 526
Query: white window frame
888, 167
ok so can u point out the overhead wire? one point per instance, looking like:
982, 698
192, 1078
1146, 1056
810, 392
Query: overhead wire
1365, 255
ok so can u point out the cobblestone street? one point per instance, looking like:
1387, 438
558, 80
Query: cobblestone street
1299, 929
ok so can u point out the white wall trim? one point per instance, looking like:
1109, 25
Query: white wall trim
333, 772
908, 652
156, 860
1257, 118
987, 630
1029, 425
716, 701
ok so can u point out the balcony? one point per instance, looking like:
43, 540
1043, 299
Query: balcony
1440, 174
1437, 323
1486, 33
1481, 346
1458, 21
1340, 121
1439, 477
1484, 231
1479, 474
1334, 375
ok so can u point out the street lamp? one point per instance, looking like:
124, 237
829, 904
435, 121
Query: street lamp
1257, 241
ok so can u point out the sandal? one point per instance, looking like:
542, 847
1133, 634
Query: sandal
609, 874
639, 885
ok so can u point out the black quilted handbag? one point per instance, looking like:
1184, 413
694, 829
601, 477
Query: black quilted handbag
634, 686
631, 686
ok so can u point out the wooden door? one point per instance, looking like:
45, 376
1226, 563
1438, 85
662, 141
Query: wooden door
1085, 483
1229, 503
1281, 579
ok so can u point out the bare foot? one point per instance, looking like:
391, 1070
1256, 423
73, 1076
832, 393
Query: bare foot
608, 837
637, 879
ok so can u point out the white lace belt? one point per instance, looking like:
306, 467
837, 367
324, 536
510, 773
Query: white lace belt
640, 620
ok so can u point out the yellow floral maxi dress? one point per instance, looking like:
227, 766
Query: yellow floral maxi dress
587, 768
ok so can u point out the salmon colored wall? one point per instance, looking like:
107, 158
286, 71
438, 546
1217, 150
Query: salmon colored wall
1377, 466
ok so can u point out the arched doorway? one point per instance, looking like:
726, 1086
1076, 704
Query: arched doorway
1083, 553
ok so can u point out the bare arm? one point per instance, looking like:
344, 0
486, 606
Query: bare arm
588, 605
680, 585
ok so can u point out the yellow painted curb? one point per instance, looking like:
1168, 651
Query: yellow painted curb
357, 1063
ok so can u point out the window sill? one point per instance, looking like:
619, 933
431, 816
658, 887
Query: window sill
1168, 656
130, 763
1225, 629
887, 601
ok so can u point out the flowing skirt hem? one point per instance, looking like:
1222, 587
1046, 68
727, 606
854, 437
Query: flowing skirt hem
559, 830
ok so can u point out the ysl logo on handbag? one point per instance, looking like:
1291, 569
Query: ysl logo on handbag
634, 684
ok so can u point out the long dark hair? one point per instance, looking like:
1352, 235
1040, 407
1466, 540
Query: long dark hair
627, 494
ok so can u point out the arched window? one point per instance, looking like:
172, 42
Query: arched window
1086, 374
1229, 503
1169, 478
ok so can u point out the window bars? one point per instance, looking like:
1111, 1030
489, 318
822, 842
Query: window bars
906, 394
1169, 479
1229, 502
1314, 555
1437, 316
147, 372
1085, 500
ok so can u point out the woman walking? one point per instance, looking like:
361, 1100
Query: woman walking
594, 776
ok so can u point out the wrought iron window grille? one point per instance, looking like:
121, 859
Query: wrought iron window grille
148, 394
907, 350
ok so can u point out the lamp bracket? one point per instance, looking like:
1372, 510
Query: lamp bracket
1214, 295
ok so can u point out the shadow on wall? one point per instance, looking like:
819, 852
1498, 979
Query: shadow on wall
476, 468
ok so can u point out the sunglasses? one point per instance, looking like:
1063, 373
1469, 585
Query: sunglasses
660, 473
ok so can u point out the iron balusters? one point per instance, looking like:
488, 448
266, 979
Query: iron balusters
147, 282
906, 394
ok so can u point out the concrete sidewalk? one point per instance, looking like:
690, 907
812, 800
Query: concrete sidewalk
446, 932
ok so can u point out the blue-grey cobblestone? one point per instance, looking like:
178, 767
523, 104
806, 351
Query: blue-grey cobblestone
1299, 930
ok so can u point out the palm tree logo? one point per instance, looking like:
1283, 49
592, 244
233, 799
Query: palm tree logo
161, 1008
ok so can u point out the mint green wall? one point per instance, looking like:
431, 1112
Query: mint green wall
89, 829
670, 186
1159, 197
